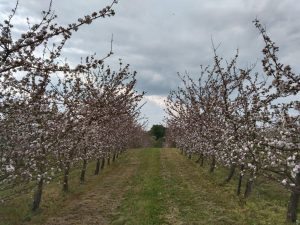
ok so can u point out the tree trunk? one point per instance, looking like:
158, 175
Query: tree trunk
108, 161
97, 170
294, 200
117, 155
240, 181
249, 187
114, 157
82, 176
66, 178
231, 173
202, 160
190, 156
38, 195
212, 165
102, 163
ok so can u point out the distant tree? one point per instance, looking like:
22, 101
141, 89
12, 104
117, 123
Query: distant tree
158, 131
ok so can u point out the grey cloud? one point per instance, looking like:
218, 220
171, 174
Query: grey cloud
160, 38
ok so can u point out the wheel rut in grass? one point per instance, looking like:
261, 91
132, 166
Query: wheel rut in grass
100, 203
192, 199
194, 196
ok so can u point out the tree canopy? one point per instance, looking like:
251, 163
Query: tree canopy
158, 131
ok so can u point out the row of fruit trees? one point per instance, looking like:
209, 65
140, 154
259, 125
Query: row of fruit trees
246, 121
55, 117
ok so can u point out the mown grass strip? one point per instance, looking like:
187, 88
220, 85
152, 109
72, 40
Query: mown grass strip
144, 203
199, 198
161, 186
54, 201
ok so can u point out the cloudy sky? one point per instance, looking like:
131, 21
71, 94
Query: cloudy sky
160, 38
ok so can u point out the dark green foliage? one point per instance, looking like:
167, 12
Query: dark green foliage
157, 132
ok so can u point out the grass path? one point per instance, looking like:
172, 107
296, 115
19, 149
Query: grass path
100, 202
170, 189
145, 202
195, 197
152, 187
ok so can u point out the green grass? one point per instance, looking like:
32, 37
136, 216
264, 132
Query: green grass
18, 211
151, 187
170, 189
144, 203
201, 199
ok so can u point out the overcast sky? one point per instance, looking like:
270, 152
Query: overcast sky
159, 38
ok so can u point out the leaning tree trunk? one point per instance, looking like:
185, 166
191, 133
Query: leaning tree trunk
240, 181
294, 200
97, 170
66, 178
212, 165
38, 195
231, 173
103, 163
114, 157
83, 170
249, 187
202, 160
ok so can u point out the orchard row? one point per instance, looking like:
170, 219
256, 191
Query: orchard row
241, 119
55, 117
